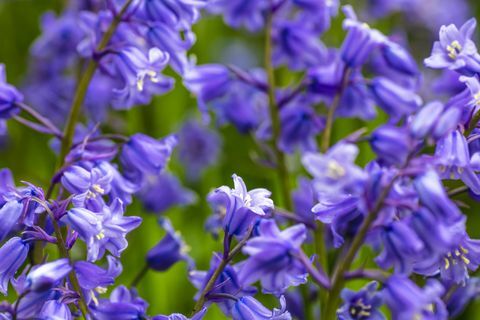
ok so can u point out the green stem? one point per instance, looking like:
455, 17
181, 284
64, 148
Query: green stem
63, 252
473, 123
139, 276
338, 280
84, 83
275, 116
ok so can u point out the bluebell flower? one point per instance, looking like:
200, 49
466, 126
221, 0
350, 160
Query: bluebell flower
318, 13
88, 186
340, 214
250, 308
335, 171
392, 144
249, 14
123, 304
397, 101
145, 155
31, 305
435, 119
240, 207
170, 250
120, 187
407, 301
177, 13
141, 76
399, 59
273, 258
455, 49
361, 40
13, 253
178, 316
10, 215
9, 96
462, 296
198, 148
54, 309
48, 275
105, 230
161, 192
473, 85
361, 305
297, 45
227, 283
452, 158
304, 198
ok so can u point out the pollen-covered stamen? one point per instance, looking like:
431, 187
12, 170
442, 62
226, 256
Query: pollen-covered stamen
98, 189
359, 310
454, 49
335, 170
457, 255
152, 75
100, 235
476, 98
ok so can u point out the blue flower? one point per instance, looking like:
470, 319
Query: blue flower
48, 275
145, 155
13, 253
102, 231
247, 308
392, 144
123, 304
435, 119
462, 296
273, 258
242, 13
177, 13
170, 250
455, 49
9, 96
361, 305
54, 309
10, 214
178, 316
399, 59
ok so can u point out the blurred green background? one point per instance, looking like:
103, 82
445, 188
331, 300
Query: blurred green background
28, 156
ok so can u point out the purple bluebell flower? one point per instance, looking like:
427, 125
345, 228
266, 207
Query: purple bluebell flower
105, 230
361, 305
13, 253
341, 214
392, 144
123, 304
9, 96
88, 186
178, 316
178, 13
145, 155
227, 283
160, 193
335, 171
396, 100
273, 258
198, 148
456, 264
170, 250
54, 309
46, 276
453, 160
249, 14
10, 215
318, 12
250, 308
435, 119
240, 207
297, 45
399, 59
406, 300
33, 302
304, 198
120, 187
455, 49
361, 40
462, 296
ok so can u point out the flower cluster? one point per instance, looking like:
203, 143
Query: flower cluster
381, 202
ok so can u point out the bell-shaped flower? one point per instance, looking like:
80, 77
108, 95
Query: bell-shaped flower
54, 309
249, 14
123, 304
335, 172
170, 250
105, 230
48, 275
362, 304
13, 253
456, 264
392, 144
399, 59
178, 316
250, 308
239, 206
453, 160
145, 155
88, 186
435, 119
10, 215
455, 50
274, 258
462, 296
9, 96
176, 13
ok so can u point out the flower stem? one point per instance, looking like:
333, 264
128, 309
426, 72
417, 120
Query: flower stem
275, 116
139, 276
473, 123
338, 279
84, 83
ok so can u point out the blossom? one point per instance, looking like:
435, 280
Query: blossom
9, 96
363, 304
392, 144
435, 119
242, 13
123, 304
105, 230
10, 214
13, 253
169, 250
47, 275
250, 308
455, 50
53, 309
273, 258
